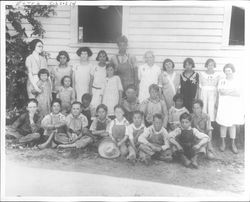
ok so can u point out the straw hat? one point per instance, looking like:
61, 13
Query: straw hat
108, 149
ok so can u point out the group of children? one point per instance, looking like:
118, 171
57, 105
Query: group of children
147, 113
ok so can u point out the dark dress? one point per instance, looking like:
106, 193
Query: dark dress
189, 86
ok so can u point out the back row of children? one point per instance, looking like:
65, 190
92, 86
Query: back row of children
131, 141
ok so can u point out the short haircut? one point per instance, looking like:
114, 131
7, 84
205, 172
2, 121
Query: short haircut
158, 116
138, 112
189, 61
131, 86
43, 71
166, 61
122, 39
102, 52
62, 80
186, 115
87, 96
63, 53
178, 96
32, 100
76, 103
229, 65
56, 100
84, 49
210, 61
102, 106
33, 43
110, 64
119, 107
149, 52
199, 102
154, 87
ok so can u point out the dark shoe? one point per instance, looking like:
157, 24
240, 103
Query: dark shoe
186, 162
222, 147
234, 149
194, 163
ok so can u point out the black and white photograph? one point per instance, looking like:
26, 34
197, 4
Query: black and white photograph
124, 100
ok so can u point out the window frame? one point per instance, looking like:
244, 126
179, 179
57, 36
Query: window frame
74, 29
226, 30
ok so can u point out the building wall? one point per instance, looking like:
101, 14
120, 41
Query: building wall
174, 32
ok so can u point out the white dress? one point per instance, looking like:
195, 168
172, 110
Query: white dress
99, 74
230, 108
208, 93
110, 93
82, 79
147, 76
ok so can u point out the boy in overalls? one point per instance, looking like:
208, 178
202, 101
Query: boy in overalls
154, 142
188, 142
117, 129
133, 131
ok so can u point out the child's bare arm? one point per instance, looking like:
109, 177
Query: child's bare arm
123, 140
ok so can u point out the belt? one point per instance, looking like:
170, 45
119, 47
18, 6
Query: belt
96, 88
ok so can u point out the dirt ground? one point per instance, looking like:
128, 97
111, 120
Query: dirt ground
226, 173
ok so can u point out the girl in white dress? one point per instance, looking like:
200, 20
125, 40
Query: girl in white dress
230, 108
148, 74
208, 88
169, 82
81, 73
112, 90
98, 78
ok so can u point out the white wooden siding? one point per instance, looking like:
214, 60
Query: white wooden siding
174, 32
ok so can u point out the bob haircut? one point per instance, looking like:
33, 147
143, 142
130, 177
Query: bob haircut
158, 116
33, 44
110, 65
56, 101
102, 52
63, 53
189, 61
119, 107
229, 65
32, 100
178, 96
102, 106
122, 39
43, 71
186, 116
154, 87
84, 49
166, 61
199, 102
62, 80
210, 61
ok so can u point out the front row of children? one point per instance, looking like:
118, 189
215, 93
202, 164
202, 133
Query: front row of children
133, 140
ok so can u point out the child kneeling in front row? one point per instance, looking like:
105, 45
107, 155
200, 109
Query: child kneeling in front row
188, 142
133, 131
77, 135
154, 142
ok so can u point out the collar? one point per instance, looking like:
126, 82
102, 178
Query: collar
123, 120
140, 127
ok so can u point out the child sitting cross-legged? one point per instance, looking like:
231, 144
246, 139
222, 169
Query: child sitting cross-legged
27, 128
133, 131
188, 142
77, 134
154, 142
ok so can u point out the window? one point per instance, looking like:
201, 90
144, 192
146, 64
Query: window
237, 26
99, 24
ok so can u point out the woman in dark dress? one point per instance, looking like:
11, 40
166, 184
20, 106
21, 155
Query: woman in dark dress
189, 83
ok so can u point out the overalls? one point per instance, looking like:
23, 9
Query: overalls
118, 133
187, 140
